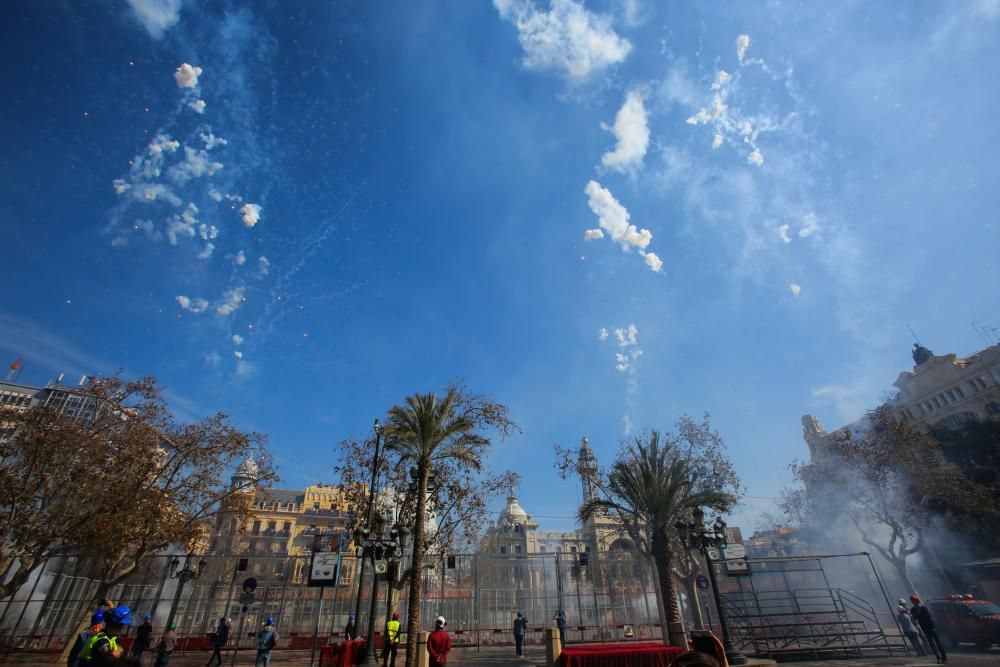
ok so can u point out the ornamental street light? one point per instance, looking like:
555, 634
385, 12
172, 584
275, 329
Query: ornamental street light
379, 549
709, 539
182, 575
377, 427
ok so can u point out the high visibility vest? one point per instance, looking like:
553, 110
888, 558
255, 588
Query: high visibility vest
392, 630
88, 651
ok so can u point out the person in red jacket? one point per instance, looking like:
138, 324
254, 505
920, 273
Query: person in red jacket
439, 643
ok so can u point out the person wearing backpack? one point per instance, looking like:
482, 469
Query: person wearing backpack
96, 625
267, 639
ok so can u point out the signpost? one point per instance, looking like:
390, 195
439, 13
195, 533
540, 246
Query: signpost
247, 598
736, 559
324, 570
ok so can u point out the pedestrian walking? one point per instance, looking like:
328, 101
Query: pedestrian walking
909, 627
560, 619
102, 650
350, 630
165, 647
520, 627
96, 624
219, 641
391, 641
922, 616
267, 639
143, 638
438, 643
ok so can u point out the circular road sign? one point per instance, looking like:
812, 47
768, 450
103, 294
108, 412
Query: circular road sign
250, 585
702, 582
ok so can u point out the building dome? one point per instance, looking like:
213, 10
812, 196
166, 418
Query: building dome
512, 514
246, 474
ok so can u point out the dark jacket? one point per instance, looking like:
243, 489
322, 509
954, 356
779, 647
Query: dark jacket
923, 616
520, 625
221, 637
144, 635
349, 630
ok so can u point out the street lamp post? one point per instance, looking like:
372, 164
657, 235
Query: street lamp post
368, 522
182, 576
696, 535
378, 548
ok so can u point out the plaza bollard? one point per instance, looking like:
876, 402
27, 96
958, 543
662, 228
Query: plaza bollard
553, 647
423, 659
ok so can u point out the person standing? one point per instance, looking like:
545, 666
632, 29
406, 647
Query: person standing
908, 627
922, 616
143, 638
267, 639
391, 640
219, 641
96, 624
520, 626
166, 646
349, 630
103, 650
438, 643
560, 620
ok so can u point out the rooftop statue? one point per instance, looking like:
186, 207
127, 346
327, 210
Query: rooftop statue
921, 354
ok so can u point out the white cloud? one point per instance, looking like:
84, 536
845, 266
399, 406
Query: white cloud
795, 288
602, 334
250, 214
783, 233
121, 186
237, 354
208, 232
810, 225
196, 164
628, 343
162, 143
755, 157
631, 130
156, 16
198, 106
245, 369
196, 305
215, 194
568, 38
742, 44
632, 12
213, 359
187, 75
207, 251
709, 114
237, 339
148, 228
182, 225
627, 337
241, 258
263, 266
119, 242
151, 192
614, 218
720, 79
232, 300
592, 234
652, 261
211, 141
717, 141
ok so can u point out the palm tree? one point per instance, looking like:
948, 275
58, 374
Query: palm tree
649, 488
428, 431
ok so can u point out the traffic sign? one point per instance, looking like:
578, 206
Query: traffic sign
702, 582
380, 567
324, 570
250, 585
712, 553
736, 562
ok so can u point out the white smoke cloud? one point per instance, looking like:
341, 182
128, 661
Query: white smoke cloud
614, 218
241, 258
783, 233
709, 114
237, 339
652, 261
215, 194
148, 228
720, 79
211, 141
231, 301
742, 44
717, 141
187, 76
156, 16
592, 234
206, 252
121, 186
208, 232
810, 225
198, 106
196, 164
795, 288
568, 38
162, 143
151, 192
250, 214
182, 225
631, 130
237, 354
602, 334
755, 157
196, 305
263, 266
245, 369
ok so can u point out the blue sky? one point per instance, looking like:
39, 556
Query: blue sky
604, 214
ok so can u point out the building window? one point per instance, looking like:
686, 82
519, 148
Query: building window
951, 396
517, 548
503, 550
958, 390
256, 528
572, 550
541, 549
936, 402
993, 408
981, 382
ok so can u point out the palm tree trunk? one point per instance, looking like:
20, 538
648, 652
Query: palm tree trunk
414, 602
664, 570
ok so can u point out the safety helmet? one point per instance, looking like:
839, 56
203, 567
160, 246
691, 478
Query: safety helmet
915, 597
173, 625
395, 614
270, 620
440, 621
97, 618
120, 614
350, 616
149, 617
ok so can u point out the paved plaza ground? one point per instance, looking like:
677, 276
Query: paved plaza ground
502, 656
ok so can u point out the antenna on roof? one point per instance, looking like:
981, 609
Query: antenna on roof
914, 333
